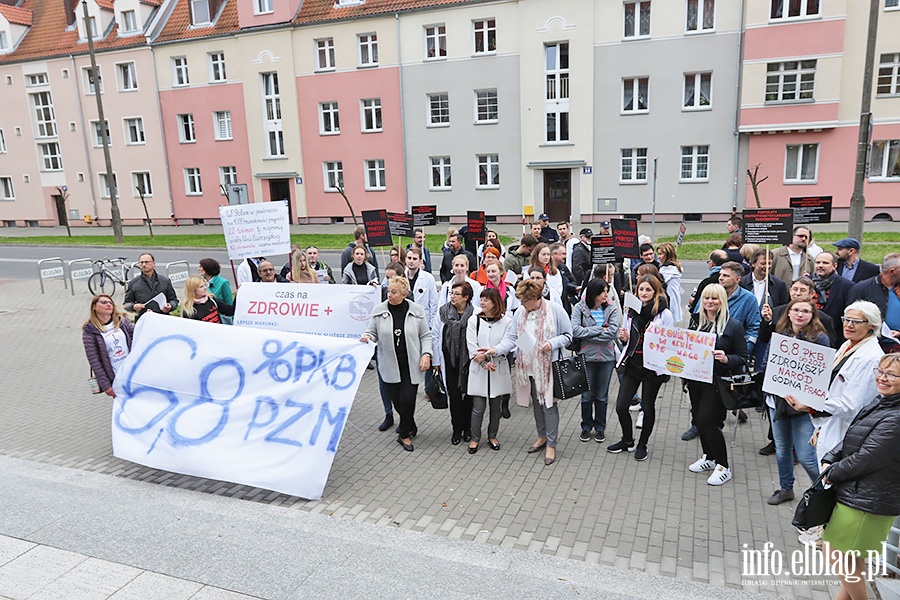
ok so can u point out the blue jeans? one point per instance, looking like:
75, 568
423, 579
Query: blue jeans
793, 435
594, 402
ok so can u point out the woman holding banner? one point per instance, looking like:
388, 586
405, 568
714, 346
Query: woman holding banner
107, 341
359, 271
404, 353
792, 429
654, 309
709, 413
450, 355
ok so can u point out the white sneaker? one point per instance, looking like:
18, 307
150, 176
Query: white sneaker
719, 476
811, 535
640, 421
635, 407
702, 464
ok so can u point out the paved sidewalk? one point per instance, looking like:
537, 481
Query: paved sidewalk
600, 510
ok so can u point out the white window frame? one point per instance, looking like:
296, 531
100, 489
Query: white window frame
374, 168
885, 148
633, 163
193, 183
92, 28
634, 83
51, 161
367, 49
181, 77
217, 72
701, 7
271, 98
227, 176
44, 114
695, 81
140, 137
485, 100
440, 167
89, 88
437, 105
200, 22
187, 132
329, 118
793, 77
797, 176
263, 7
891, 5
105, 191
636, 8
127, 77
370, 113
888, 75
222, 125
484, 31
556, 93
325, 54
129, 21
36, 79
803, 14
4, 42
138, 178
698, 160
436, 41
7, 190
333, 175
2, 141
97, 134
490, 164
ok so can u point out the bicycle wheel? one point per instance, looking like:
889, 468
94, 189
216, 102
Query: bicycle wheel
101, 283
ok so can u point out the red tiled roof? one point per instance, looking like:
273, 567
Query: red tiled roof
314, 11
150, 2
178, 24
15, 14
105, 4
48, 36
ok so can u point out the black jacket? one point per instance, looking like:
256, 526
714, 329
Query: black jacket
778, 291
767, 327
581, 262
865, 270
447, 263
141, 290
836, 302
870, 289
866, 467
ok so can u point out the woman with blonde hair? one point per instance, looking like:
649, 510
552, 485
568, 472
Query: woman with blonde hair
709, 413
200, 305
301, 272
106, 336
670, 270
542, 257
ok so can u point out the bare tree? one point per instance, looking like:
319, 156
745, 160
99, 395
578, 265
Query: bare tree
140, 191
753, 174
340, 189
64, 197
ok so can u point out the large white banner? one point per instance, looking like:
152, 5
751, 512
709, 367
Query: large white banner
681, 352
335, 310
799, 369
258, 229
256, 407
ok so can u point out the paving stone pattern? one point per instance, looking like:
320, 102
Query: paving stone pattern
652, 516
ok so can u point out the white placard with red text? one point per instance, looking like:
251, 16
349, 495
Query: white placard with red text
799, 369
258, 229
681, 352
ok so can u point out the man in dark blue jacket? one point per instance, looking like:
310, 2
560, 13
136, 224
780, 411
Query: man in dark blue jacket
850, 265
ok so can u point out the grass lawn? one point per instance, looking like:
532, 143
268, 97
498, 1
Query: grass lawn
820, 238
873, 253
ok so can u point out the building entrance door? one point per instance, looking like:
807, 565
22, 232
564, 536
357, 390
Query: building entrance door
280, 189
558, 194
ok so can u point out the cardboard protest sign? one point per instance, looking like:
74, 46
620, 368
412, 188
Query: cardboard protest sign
625, 238
424, 216
251, 406
768, 226
401, 224
811, 210
334, 310
684, 353
475, 221
258, 229
799, 369
603, 251
377, 227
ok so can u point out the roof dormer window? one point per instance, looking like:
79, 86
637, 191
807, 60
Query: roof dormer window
200, 12
129, 21
4, 41
344, 3
92, 27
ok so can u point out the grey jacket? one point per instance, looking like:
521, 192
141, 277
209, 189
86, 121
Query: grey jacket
141, 290
418, 341
348, 277
598, 342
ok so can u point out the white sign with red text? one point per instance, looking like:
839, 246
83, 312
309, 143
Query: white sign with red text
258, 229
333, 310
799, 369
681, 352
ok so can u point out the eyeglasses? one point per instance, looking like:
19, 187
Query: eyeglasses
801, 311
267, 270
104, 302
457, 294
890, 377
854, 322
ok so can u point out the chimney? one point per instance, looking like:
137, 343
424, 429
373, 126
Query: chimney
70, 11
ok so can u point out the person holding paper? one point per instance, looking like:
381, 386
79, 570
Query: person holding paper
654, 309
150, 290
106, 336
546, 330
792, 429
322, 269
709, 413
450, 355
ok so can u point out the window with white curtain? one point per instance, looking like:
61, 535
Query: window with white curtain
637, 19
635, 97
801, 163
794, 9
435, 42
885, 161
701, 15
440, 173
697, 91
222, 121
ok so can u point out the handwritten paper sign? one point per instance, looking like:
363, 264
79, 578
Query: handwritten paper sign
799, 369
259, 408
258, 229
684, 353
335, 310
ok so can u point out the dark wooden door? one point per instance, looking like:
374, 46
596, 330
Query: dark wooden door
558, 194
280, 189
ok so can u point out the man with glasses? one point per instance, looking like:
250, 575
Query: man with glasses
884, 291
791, 261
267, 273
141, 290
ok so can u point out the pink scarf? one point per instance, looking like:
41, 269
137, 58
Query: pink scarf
539, 363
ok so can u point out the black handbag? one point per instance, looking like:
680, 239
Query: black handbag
570, 377
437, 393
740, 390
816, 504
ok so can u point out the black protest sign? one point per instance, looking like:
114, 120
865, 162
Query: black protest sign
811, 210
625, 238
401, 224
378, 230
475, 221
768, 226
681, 232
603, 251
424, 216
